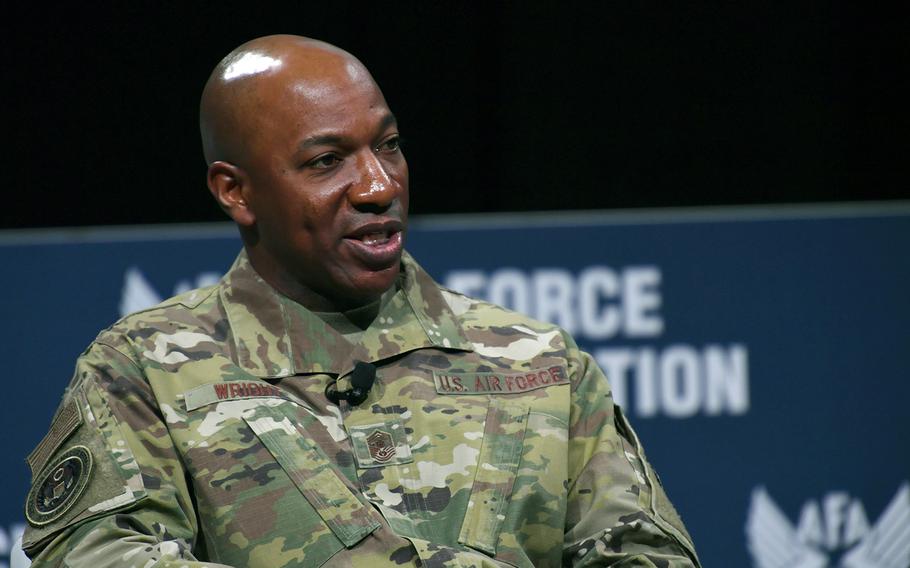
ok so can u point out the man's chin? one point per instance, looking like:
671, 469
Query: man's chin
369, 286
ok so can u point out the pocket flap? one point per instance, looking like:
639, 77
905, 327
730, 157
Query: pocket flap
314, 475
500, 455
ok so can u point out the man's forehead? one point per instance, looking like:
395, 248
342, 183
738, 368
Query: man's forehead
299, 84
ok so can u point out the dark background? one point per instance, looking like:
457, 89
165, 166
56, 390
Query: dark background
503, 106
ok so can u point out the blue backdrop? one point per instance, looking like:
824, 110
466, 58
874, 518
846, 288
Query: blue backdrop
762, 354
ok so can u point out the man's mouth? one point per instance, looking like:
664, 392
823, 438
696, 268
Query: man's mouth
376, 233
375, 239
377, 245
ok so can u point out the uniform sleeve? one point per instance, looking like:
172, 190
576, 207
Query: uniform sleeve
108, 489
618, 513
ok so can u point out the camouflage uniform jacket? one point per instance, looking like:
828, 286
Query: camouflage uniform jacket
197, 433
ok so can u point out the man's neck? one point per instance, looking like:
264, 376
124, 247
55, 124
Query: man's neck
285, 282
352, 322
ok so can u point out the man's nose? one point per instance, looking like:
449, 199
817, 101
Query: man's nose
375, 187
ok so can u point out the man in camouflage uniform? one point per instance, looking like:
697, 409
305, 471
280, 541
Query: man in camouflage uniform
199, 432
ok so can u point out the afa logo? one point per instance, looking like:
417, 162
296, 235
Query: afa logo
833, 532
138, 293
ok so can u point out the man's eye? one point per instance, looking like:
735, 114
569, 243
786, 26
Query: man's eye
324, 162
393, 144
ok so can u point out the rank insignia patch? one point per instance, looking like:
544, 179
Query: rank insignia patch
381, 443
59, 486
381, 446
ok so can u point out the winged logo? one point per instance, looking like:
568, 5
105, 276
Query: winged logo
888, 543
774, 542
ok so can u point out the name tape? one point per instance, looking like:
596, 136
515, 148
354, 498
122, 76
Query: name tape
235, 390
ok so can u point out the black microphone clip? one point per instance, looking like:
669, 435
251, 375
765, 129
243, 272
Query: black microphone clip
361, 382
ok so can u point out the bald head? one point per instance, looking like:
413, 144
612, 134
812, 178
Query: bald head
257, 75
303, 154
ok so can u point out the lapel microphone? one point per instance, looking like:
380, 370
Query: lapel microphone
362, 380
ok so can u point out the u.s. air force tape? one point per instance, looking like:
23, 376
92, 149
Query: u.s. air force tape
499, 383
59, 486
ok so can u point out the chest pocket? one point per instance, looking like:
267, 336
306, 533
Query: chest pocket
494, 481
312, 472
279, 501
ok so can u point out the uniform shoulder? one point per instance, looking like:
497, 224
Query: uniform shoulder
508, 339
476, 315
190, 311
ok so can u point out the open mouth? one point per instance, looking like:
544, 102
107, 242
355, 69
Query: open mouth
376, 234
376, 239
377, 245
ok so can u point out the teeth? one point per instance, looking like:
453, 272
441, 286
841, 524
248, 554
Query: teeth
375, 238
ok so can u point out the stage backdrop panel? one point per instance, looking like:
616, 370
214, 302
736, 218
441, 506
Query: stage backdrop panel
762, 354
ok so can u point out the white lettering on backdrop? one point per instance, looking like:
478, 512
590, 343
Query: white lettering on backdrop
602, 303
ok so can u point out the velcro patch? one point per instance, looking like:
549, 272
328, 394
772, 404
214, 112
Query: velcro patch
499, 383
59, 487
65, 423
380, 444
232, 390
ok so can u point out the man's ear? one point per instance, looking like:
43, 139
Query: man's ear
229, 185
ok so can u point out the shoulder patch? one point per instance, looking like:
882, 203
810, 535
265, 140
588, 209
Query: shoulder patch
65, 423
499, 383
59, 487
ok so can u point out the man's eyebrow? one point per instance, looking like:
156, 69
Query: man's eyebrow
387, 121
320, 140
334, 140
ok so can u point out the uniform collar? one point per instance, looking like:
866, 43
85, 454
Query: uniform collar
275, 337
